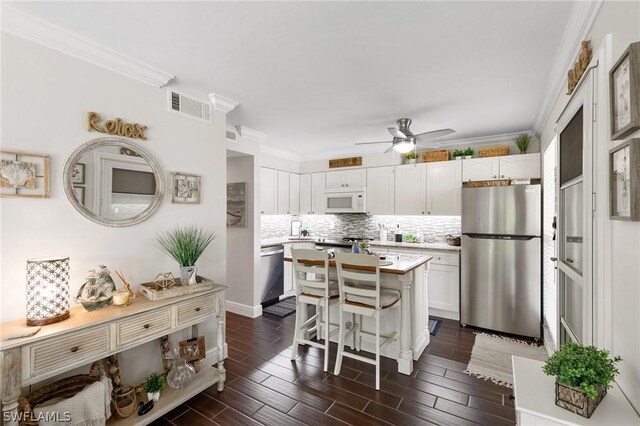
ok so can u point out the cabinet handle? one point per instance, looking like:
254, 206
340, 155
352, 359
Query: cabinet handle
262, 212
553, 259
495, 176
428, 212
287, 212
74, 349
423, 212
197, 309
146, 326
502, 176
569, 260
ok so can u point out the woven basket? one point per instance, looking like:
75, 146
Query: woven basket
434, 156
123, 401
494, 151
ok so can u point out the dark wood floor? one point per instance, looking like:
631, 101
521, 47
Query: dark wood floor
264, 387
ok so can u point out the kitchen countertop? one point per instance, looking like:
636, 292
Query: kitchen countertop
402, 263
266, 242
424, 246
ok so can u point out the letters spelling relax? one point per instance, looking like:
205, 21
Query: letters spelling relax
116, 127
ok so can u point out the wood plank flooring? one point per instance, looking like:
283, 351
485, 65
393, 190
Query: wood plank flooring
264, 387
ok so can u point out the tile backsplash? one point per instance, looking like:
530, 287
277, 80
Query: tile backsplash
428, 228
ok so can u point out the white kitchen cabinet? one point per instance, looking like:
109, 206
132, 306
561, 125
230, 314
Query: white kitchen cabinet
288, 271
444, 291
523, 166
283, 192
317, 192
268, 191
305, 193
381, 190
480, 169
444, 188
354, 178
410, 189
294, 193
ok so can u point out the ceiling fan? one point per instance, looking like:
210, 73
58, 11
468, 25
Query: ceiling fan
404, 140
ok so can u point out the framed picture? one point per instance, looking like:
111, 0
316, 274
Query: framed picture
24, 174
237, 205
624, 88
77, 175
78, 192
196, 347
185, 188
624, 176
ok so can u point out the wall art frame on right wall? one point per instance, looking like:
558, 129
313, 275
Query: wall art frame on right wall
624, 178
624, 92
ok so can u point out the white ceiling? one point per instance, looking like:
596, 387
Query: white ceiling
319, 76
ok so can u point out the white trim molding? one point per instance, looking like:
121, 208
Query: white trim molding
580, 21
287, 155
250, 134
39, 31
244, 310
220, 103
483, 140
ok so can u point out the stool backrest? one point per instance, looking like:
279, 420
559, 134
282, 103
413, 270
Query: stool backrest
355, 270
311, 269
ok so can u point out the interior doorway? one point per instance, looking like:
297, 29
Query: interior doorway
549, 245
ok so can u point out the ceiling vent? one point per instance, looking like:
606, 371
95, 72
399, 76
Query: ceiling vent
185, 105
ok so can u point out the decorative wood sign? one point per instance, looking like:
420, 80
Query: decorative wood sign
116, 127
345, 162
579, 67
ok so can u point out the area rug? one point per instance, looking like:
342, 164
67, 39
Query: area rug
491, 357
434, 326
283, 308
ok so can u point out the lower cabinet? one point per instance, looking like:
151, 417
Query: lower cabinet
288, 271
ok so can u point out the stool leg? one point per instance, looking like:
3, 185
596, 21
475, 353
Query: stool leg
341, 332
353, 324
378, 350
325, 312
294, 347
358, 336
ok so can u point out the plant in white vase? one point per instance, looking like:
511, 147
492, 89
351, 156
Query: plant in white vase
185, 245
153, 385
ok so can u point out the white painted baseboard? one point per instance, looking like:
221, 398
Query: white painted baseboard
244, 310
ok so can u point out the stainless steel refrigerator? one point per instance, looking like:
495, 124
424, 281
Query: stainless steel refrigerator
500, 286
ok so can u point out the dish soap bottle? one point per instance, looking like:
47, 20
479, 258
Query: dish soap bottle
398, 234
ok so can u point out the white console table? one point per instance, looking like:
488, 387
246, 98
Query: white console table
536, 401
89, 336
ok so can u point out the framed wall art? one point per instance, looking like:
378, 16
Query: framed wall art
185, 188
624, 172
78, 192
77, 175
237, 205
24, 174
624, 88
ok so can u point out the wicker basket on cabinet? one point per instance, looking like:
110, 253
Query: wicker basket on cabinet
494, 151
434, 156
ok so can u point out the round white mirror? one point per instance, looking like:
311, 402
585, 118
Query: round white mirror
113, 182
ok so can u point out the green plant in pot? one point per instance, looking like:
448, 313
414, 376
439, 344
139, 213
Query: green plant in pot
583, 375
153, 385
468, 153
523, 141
458, 154
410, 237
411, 157
185, 245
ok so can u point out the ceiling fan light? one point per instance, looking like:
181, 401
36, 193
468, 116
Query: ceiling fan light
403, 147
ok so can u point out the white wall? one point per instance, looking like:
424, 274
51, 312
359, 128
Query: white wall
45, 99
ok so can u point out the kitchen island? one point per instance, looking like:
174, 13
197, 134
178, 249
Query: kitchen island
408, 274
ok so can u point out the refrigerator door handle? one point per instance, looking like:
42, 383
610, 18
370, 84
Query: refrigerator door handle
500, 237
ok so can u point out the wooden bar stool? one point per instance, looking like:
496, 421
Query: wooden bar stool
360, 294
311, 274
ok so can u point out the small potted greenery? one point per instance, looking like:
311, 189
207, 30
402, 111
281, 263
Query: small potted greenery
458, 154
410, 237
583, 374
153, 385
523, 141
468, 153
305, 232
410, 157
185, 245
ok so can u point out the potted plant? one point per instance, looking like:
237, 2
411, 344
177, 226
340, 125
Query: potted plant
410, 237
153, 385
411, 157
468, 153
523, 141
458, 154
583, 374
185, 245
364, 247
305, 232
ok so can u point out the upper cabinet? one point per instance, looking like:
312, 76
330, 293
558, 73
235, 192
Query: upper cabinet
523, 166
268, 191
480, 169
283, 192
318, 181
354, 178
411, 189
444, 188
294, 193
381, 190
305, 194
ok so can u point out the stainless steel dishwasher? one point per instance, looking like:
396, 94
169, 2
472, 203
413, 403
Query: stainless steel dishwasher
271, 274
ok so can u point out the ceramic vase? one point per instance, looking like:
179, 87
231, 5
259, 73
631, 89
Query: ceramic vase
155, 396
188, 275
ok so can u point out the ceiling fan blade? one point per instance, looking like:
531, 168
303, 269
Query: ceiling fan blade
396, 133
389, 149
434, 134
370, 143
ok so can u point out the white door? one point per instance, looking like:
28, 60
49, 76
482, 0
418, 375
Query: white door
305, 193
549, 225
294, 193
268, 191
317, 192
523, 166
283, 192
444, 188
335, 179
381, 190
356, 178
480, 169
410, 189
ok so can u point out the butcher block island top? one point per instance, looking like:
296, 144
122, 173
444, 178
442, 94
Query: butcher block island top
402, 263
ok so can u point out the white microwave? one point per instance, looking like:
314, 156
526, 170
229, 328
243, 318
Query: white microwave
345, 200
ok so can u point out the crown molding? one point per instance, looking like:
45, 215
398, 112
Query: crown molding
250, 134
220, 103
280, 153
482, 140
583, 14
39, 31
